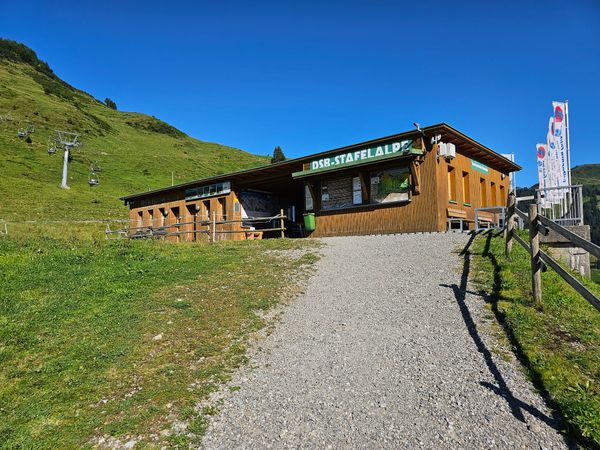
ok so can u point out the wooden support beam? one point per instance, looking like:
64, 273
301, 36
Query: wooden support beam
415, 171
536, 266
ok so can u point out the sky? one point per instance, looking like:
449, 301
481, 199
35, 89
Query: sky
311, 76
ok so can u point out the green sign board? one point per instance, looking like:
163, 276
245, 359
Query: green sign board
479, 167
364, 155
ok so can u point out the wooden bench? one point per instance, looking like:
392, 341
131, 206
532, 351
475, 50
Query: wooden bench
456, 216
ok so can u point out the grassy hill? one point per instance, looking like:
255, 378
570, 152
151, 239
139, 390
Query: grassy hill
135, 151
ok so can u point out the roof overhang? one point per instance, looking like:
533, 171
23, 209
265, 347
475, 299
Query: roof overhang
464, 143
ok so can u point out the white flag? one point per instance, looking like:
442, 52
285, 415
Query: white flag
542, 165
560, 140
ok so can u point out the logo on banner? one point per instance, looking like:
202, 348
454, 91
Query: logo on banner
558, 114
541, 152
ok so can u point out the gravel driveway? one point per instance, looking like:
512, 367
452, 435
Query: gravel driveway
386, 348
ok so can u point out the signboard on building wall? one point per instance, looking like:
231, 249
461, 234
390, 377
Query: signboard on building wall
364, 155
480, 167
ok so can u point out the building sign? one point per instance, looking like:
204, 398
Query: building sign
208, 191
480, 167
364, 155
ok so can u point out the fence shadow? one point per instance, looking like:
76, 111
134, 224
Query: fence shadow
500, 387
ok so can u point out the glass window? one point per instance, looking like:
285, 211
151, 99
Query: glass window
451, 184
465, 187
308, 199
392, 185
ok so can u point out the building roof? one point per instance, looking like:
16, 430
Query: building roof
464, 143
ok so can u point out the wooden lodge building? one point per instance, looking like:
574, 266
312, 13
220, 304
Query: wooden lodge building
423, 180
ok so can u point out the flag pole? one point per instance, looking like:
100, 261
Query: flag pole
568, 138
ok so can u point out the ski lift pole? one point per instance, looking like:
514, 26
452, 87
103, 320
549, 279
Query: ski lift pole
63, 184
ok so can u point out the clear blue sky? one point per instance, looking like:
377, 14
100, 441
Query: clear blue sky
310, 76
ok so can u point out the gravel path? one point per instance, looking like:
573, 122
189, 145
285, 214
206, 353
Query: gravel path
382, 351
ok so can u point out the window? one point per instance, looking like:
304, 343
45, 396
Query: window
483, 192
493, 194
391, 185
451, 184
151, 217
206, 206
175, 214
503, 199
208, 191
356, 191
162, 213
308, 198
466, 188
140, 219
222, 209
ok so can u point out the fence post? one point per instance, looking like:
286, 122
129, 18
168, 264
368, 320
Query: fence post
510, 223
281, 224
536, 265
214, 226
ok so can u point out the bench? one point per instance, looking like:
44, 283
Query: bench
456, 216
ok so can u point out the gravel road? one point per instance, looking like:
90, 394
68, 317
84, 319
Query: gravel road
387, 348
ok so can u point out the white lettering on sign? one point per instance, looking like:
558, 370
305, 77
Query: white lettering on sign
361, 155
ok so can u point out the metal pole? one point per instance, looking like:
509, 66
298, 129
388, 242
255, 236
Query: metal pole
580, 203
568, 139
63, 184
536, 266
281, 224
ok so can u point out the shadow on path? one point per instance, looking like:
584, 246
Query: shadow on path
500, 387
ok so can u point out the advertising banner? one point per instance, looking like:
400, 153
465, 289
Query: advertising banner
542, 167
560, 140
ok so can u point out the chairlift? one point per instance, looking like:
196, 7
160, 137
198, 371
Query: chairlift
22, 133
51, 150
95, 167
93, 180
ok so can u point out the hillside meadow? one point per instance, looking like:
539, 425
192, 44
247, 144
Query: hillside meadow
135, 152
121, 341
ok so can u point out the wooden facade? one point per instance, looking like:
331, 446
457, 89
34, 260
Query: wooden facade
345, 199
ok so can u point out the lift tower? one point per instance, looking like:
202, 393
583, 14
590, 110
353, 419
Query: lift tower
66, 140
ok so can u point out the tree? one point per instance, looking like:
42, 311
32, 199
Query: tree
108, 102
278, 155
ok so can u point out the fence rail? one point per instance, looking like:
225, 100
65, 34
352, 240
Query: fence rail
211, 228
538, 224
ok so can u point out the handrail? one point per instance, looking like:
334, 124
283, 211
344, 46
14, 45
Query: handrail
571, 280
539, 224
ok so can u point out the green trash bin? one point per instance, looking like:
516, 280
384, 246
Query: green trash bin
309, 222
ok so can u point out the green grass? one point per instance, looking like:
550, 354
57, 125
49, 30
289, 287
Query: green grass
596, 275
560, 343
136, 152
123, 339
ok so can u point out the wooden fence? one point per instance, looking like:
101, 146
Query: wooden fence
211, 228
538, 224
